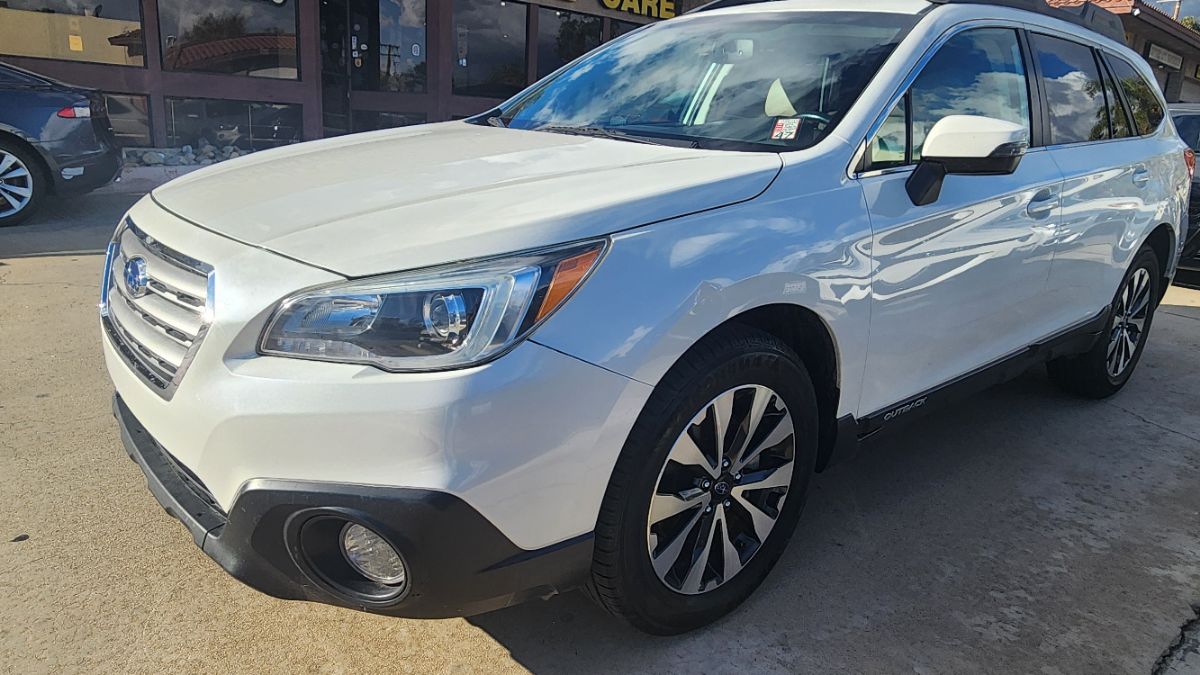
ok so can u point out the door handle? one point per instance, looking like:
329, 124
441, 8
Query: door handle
1141, 176
1043, 203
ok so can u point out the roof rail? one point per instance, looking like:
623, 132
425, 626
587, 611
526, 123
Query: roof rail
1088, 15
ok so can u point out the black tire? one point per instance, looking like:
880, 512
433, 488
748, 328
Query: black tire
1089, 374
623, 579
36, 180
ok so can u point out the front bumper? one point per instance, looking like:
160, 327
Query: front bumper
459, 564
528, 440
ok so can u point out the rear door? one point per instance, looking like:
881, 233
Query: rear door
958, 283
1114, 181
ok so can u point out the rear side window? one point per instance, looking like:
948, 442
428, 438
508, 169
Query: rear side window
1189, 129
1074, 90
15, 77
1121, 126
1143, 99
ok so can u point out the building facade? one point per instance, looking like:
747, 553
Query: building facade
255, 74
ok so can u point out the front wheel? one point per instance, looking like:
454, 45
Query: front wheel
1105, 369
709, 486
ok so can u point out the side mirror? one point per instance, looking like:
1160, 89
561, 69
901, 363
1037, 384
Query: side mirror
967, 145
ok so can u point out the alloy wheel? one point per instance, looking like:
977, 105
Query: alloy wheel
1129, 322
16, 184
721, 490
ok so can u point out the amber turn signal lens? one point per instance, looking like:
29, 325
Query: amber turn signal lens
567, 275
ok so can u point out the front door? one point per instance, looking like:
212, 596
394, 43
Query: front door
957, 283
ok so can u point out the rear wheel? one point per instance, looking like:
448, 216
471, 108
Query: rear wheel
22, 184
1105, 369
709, 486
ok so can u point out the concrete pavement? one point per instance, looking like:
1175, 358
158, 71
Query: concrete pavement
1021, 531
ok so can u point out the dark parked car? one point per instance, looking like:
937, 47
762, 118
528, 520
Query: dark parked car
55, 138
1187, 122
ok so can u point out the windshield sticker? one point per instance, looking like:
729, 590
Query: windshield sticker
785, 130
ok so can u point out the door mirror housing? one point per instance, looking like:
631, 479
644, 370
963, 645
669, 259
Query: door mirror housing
966, 145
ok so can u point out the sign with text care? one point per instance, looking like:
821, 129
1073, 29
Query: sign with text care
655, 9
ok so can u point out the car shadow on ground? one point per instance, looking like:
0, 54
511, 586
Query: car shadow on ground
837, 525
67, 226
944, 544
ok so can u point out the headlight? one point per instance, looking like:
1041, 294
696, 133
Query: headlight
436, 319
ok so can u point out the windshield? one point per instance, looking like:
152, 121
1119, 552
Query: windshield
772, 82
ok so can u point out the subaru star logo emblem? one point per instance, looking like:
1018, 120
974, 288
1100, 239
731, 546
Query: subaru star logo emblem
137, 279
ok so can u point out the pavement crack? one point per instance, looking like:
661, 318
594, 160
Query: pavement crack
67, 284
1153, 423
1182, 316
1185, 644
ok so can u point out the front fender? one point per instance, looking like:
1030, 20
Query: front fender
663, 287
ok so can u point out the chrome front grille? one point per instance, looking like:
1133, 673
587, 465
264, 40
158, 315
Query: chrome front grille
156, 304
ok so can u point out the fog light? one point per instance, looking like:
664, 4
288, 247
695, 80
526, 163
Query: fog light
371, 556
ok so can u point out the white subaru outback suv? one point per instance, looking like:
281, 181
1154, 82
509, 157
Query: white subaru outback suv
603, 335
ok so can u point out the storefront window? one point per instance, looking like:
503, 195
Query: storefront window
107, 32
130, 118
388, 46
243, 125
490, 48
371, 120
238, 37
564, 37
620, 28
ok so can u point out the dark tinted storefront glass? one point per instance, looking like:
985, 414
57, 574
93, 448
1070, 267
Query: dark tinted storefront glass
237, 37
564, 37
130, 118
1078, 111
108, 32
619, 28
390, 44
371, 120
489, 55
241, 124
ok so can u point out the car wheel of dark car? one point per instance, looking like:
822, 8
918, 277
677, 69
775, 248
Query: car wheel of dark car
22, 183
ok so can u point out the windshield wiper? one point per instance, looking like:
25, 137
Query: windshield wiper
598, 132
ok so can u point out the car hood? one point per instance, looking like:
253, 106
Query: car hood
419, 196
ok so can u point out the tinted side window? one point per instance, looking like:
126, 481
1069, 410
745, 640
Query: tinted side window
1121, 126
977, 72
15, 77
1143, 99
1189, 129
1074, 90
889, 148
